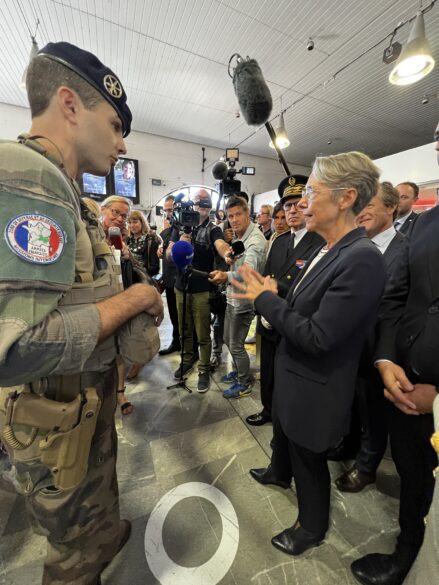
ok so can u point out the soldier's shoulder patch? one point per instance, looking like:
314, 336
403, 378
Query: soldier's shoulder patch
35, 238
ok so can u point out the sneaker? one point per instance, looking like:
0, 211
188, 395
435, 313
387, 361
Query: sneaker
215, 362
182, 370
230, 378
237, 391
203, 382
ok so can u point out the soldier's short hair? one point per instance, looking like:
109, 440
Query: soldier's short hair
44, 77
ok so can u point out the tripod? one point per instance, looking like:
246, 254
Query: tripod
182, 381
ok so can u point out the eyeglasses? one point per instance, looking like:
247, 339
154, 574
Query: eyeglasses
262, 213
116, 213
310, 193
289, 204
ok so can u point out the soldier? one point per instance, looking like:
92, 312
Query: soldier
58, 329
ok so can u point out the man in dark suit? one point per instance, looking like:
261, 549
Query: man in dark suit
407, 358
370, 404
169, 275
287, 257
406, 217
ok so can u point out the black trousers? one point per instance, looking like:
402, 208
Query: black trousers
415, 460
311, 477
268, 352
373, 417
173, 315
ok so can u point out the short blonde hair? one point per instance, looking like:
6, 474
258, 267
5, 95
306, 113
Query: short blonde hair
268, 207
115, 199
351, 170
136, 214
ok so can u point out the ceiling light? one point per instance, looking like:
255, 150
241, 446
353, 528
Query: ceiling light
281, 135
33, 53
415, 61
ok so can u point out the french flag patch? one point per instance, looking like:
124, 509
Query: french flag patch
300, 264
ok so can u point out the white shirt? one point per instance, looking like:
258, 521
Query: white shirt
298, 235
401, 220
383, 239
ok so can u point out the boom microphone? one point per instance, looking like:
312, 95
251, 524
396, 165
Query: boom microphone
252, 92
182, 254
220, 171
115, 237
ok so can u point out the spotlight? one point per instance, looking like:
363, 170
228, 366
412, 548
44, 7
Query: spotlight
415, 61
281, 135
310, 44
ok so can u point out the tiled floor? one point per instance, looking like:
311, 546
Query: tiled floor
187, 456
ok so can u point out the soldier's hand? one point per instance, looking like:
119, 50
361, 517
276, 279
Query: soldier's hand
398, 387
147, 298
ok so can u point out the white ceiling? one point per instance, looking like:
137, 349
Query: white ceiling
172, 57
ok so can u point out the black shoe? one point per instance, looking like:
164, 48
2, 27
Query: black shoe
265, 476
258, 419
170, 349
203, 382
378, 569
183, 370
354, 480
296, 540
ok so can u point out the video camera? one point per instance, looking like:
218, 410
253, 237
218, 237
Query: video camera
184, 217
225, 173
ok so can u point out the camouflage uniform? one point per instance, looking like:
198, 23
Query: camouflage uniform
49, 326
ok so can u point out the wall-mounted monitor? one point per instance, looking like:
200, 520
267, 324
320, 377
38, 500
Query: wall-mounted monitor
95, 187
125, 176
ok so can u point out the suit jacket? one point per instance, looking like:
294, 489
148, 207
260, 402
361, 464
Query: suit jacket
393, 253
323, 323
407, 226
409, 313
286, 267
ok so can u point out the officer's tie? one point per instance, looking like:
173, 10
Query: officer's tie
291, 244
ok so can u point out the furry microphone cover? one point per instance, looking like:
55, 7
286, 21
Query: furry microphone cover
252, 92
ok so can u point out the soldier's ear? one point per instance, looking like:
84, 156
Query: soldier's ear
68, 103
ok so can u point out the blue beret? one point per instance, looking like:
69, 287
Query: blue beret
291, 186
101, 77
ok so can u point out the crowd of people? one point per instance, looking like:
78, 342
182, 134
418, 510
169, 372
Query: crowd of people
341, 274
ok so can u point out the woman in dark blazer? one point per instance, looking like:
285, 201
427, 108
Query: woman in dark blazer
323, 323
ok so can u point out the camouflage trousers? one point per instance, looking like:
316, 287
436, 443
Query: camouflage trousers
82, 525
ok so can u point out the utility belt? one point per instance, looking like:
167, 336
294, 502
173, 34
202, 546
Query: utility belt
52, 422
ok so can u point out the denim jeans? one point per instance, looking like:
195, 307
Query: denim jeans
236, 328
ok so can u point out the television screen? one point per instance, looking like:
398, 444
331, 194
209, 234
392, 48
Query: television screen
126, 179
94, 185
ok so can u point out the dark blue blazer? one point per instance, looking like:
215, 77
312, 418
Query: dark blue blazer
409, 313
323, 323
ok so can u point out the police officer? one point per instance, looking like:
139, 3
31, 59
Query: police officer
288, 255
57, 331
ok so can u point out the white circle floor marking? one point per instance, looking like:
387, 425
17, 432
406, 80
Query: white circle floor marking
164, 569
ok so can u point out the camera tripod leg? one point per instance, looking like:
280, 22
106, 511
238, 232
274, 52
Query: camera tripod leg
180, 384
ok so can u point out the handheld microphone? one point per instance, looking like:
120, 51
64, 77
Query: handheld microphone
182, 254
115, 237
238, 249
252, 92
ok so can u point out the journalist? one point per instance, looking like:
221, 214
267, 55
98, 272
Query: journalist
322, 323
207, 241
239, 313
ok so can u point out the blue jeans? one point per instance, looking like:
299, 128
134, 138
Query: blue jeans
236, 328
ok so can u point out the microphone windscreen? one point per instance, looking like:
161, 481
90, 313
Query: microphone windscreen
182, 254
179, 197
252, 92
220, 171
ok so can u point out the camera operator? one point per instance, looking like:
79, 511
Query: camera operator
239, 313
206, 239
